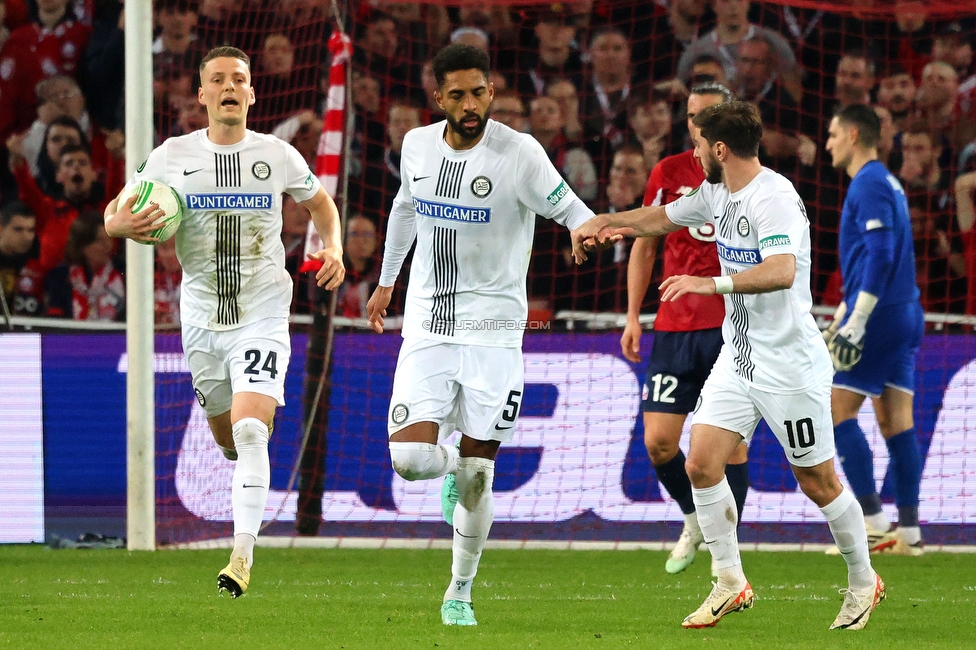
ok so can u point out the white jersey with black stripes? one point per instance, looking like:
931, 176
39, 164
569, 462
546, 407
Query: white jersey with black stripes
229, 242
771, 338
472, 213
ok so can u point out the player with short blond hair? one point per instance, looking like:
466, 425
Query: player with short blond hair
235, 294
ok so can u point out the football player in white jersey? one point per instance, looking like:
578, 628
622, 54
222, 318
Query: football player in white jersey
773, 364
235, 294
470, 190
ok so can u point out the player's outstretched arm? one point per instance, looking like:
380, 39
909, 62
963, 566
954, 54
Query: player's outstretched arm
120, 221
376, 307
605, 228
325, 216
775, 273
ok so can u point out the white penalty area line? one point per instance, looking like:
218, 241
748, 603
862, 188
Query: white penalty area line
529, 545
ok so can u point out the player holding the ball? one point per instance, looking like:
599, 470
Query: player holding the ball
236, 294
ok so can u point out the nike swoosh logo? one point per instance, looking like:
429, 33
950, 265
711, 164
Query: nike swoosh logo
498, 428
255, 381
186, 173
802, 455
463, 535
718, 610
419, 178
250, 486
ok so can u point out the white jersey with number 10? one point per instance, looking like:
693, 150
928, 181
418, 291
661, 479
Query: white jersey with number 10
772, 337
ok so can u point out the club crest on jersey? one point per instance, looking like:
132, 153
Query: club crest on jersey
481, 186
743, 226
261, 170
399, 414
309, 182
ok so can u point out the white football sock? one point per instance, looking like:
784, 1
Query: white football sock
472, 521
252, 478
910, 534
717, 517
846, 521
416, 461
691, 522
244, 547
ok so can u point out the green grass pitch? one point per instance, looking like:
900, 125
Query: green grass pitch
338, 598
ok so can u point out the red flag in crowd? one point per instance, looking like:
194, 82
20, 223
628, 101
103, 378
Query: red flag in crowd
328, 159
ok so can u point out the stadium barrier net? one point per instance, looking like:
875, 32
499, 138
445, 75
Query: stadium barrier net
577, 469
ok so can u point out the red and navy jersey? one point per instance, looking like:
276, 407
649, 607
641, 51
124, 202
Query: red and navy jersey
689, 251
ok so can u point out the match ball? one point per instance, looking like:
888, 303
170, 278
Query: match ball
165, 197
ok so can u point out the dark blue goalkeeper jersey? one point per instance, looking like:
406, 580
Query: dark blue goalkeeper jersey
877, 254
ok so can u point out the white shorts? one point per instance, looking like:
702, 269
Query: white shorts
801, 422
249, 359
473, 389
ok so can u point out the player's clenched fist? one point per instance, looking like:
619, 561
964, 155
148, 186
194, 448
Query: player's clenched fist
332, 273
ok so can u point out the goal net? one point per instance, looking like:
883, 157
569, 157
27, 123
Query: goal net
601, 84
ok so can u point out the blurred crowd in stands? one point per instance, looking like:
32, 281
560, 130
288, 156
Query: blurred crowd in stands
599, 83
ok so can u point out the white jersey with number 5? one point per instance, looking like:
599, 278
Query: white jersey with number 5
229, 242
772, 337
472, 213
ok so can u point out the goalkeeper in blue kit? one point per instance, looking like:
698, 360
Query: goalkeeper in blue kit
876, 331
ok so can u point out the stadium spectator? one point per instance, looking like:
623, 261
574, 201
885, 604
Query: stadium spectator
661, 37
566, 95
556, 55
650, 121
377, 52
473, 36
382, 178
362, 267
88, 286
575, 165
907, 39
604, 95
920, 171
955, 48
18, 246
294, 229
176, 49
369, 128
732, 26
854, 79
937, 104
507, 107
43, 155
79, 191
103, 67
283, 86
965, 192
706, 68
428, 85
940, 254
758, 82
192, 116
166, 283
886, 141
494, 20
896, 92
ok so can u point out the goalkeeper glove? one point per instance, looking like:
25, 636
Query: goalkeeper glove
831, 331
847, 345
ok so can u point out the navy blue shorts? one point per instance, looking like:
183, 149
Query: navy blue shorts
679, 365
891, 340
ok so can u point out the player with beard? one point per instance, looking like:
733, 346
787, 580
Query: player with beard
687, 339
470, 190
774, 363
